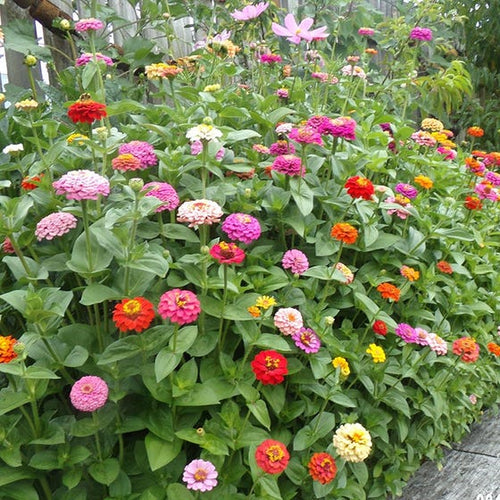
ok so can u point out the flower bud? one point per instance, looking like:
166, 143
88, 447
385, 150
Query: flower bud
101, 133
136, 184
65, 25
166, 15
248, 193
329, 320
30, 60
19, 348
207, 120
2, 97
200, 431
205, 250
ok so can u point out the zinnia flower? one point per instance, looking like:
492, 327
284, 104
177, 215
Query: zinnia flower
360, 187
389, 291
269, 367
467, 348
254, 311
89, 393
200, 475
142, 150
241, 227
376, 352
366, 31
406, 332
444, 267
344, 127
90, 24
272, 456
423, 181
406, 190
348, 274
379, 327
402, 212
352, 70
422, 336
288, 320
30, 183
295, 33
494, 348
343, 365
199, 212
55, 224
322, 468
437, 344
265, 302
7, 344
163, 192
475, 131
473, 203
85, 110
418, 33
156, 71
270, 58
289, 165
133, 314
82, 185
249, 12
26, 105
344, 232
307, 340
13, 149
227, 253
204, 132
281, 147
306, 135
7, 246
352, 442
126, 162
180, 306
432, 124
296, 261
409, 273
87, 57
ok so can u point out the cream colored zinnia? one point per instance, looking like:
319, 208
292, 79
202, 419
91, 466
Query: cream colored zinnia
432, 124
352, 442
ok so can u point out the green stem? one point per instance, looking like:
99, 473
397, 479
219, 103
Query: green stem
20, 255
58, 360
224, 300
32, 83
95, 420
88, 243
332, 271
131, 244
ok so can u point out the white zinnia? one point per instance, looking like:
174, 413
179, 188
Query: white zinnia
13, 149
203, 132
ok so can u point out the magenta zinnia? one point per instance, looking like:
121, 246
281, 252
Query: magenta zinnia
241, 227
227, 253
180, 306
89, 393
296, 261
307, 340
142, 150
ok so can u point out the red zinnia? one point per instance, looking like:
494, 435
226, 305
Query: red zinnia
272, 456
227, 253
344, 232
269, 367
360, 187
133, 314
380, 327
444, 267
85, 110
30, 183
389, 291
322, 467
473, 203
466, 348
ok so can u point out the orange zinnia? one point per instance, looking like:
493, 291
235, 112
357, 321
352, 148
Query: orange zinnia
475, 131
133, 314
423, 181
7, 353
494, 348
344, 232
389, 291
409, 273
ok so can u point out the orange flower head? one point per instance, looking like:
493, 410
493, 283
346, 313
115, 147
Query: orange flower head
409, 273
7, 353
133, 314
494, 348
389, 291
344, 232
444, 267
322, 467
423, 181
475, 131
467, 348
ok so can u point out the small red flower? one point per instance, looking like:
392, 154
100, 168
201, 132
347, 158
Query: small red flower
272, 456
322, 467
360, 187
444, 267
30, 183
270, 367
133, 314
473, 203
227, 253
380, 327
389, 291
85, 110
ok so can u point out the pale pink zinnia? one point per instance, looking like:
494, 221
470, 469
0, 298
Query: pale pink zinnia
241, 227
89, 393
82, 185
305, 135
200, 475
288, 320
422, 337
198, 212
55, 224
163, 192
90, 24
296, 261
142, 150
437, 344
180, 306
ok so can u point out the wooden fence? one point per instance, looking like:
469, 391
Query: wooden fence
40, 12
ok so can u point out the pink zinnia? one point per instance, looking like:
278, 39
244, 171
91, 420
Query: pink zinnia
485, 190
90, 24
196, 148
180, 306
343, 126
288, 320
418, 33
437, 344
87, 57
241, 227
322, 77
163, 192
307, 340
295, 33
260, 148
282, 147
126, 162
288, 165
199, 212
305, 135
283, 93
270, 58
348, 274
296, 261
493, 178
406, 190
407, 333
448, 153
200, 475
82, 185
250, 11
55, 224
366, 31
142, 150
422, 337
7, 246
89, 393
423, 138
403, 201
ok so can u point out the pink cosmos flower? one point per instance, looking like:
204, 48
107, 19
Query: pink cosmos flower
288, 320
200, 475
89, 393
199, 212
289, 165
296, 32
296, 261
305, 135
366, 31
406, 190
418, 33
241, 227
142, 150
55, 224
307, 340
406, 332
164, 192
250, 12
90, 24
437, 344
87, 57
82, 185
180, 306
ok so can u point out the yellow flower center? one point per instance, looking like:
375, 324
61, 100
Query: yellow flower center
200, 474
132, 307
272, 363
275, 453
357, 437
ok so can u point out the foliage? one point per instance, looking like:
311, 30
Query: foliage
183, 390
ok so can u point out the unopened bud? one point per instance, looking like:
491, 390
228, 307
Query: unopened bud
248, 192
205, 250
136, 184
30, 60
207, 120
64, 25
329, 320
2, 97
19, 348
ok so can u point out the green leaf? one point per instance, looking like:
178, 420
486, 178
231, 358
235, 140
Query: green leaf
10, 401
396, 399
273, 341
176, 491
455, 234
9, 475
319, 427
165, 363
99, 257
260, 412
76, 357
324, 273
39, 372
366, 304
36, 271
95, 293
45, 460
210, 392
161, 452
302, 195
179, 232
105, 472
72, 477
241, 135
20, 491
343, 400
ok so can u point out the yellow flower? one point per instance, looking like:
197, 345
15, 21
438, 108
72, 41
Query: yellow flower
377, 353
423, 181
212, 88
265, 302
79, 138
432, 124
254, 311
352, 442
26, 105
409, 273
342, 363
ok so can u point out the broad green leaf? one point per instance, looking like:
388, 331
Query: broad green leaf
161, 452
165, 363
95, 293
260, 412
240, 135
105, 472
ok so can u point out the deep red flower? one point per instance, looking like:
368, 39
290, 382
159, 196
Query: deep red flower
272, 456
322, 467
86, 110
30, 183
473, 203
133, 314
270, 367
380, 327
227, 253
360, 187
